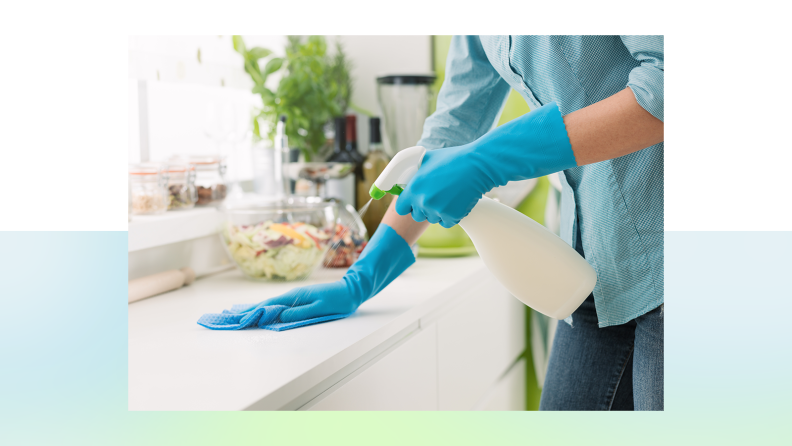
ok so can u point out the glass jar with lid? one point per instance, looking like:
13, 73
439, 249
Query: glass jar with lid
209, 179
148, 187
181, 184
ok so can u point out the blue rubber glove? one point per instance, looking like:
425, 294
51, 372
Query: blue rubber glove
383, 259
452, 180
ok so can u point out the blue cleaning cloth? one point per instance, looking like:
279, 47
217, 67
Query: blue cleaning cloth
256, 315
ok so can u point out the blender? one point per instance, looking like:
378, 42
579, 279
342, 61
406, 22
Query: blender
405, 100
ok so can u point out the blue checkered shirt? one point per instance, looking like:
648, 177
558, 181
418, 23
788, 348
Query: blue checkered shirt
611, 211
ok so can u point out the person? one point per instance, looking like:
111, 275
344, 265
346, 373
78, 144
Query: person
597, 120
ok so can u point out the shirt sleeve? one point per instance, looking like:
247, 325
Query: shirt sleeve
646, 80
470, 99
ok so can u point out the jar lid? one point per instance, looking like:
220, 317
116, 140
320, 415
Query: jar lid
204, 160
180, 168
145, 169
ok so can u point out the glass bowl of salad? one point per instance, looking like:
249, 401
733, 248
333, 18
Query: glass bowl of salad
278, 240
349, 236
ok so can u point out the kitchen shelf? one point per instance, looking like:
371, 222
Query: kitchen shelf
148, 231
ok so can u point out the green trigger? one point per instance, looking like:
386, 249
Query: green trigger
377, 193
396, 190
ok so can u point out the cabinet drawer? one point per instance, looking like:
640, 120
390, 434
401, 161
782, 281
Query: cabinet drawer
478, 340
403, 379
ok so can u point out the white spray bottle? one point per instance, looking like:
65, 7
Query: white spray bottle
534, 264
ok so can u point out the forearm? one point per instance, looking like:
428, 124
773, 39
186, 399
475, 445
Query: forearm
611, 128
404, 225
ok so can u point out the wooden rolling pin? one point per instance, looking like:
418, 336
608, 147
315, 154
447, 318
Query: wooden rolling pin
159, 283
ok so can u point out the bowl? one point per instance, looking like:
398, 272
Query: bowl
438, 241
278, 240
349, 238
318, 171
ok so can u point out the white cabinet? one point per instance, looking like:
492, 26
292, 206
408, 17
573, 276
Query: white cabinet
405, 378
463, 360
478, 340
509, 392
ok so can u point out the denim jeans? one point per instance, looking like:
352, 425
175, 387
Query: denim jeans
613, 368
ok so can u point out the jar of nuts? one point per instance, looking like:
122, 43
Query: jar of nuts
209, 179
148, 187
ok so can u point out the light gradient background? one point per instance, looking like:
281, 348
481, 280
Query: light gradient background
63, 378
63, 347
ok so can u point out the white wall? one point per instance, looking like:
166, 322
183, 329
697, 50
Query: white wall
174, 89
179, 87
175, 59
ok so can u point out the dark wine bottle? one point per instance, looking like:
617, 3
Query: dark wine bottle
343, 188
351, 147
351, 139
340, 153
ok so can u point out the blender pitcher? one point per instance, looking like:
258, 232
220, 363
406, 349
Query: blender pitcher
404, 100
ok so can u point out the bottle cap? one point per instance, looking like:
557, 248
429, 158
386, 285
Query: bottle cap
374, 130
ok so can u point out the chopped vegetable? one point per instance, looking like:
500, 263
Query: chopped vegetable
345, 247
276, 251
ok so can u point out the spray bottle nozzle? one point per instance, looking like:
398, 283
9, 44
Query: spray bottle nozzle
375, 192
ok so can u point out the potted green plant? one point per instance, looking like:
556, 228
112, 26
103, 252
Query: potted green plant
314, 88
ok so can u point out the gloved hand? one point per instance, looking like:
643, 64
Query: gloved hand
383, 259
450, 181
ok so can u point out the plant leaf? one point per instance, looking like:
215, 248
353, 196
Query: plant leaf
256, 131
273, 65
293, 45
257, 53
239, 44
267, 96
253, 70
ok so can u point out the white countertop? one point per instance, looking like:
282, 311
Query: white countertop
175, 364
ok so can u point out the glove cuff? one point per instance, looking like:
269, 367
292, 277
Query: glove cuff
383, 259
533, 145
